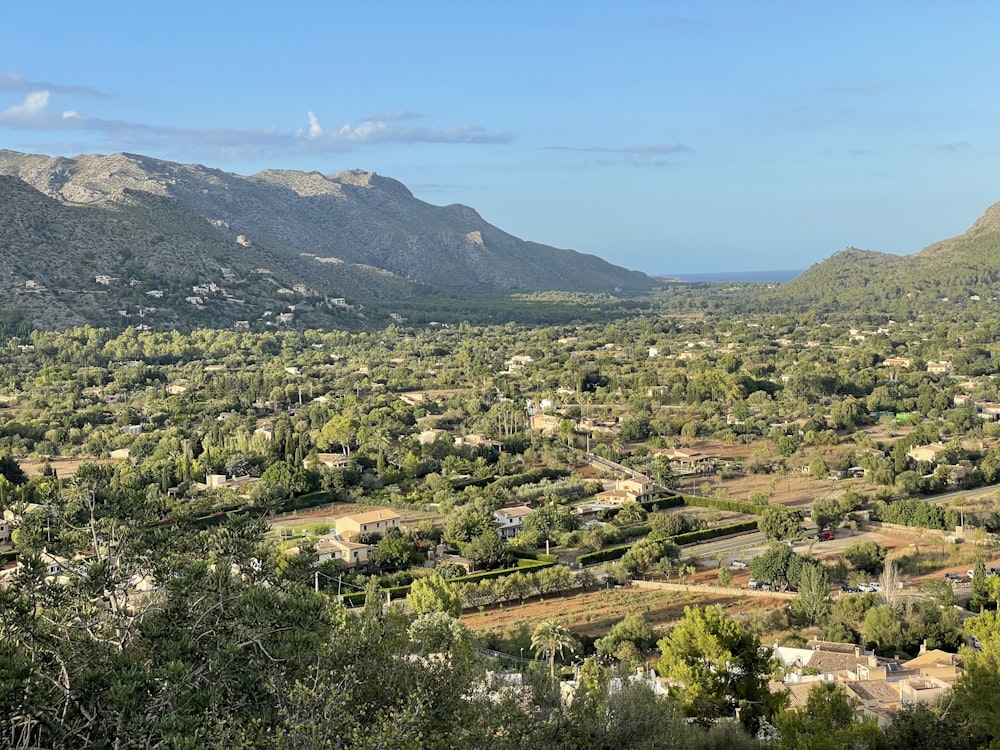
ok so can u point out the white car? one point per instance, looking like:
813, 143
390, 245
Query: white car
752, 583
741, 564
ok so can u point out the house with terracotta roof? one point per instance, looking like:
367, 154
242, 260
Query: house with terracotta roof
348, 554
374, 521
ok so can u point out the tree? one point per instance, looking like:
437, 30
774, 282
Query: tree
890, 583
779, 523
866, 556
826, 722
551, 518
644, 554
392, 552
717, 668
627, 641
818, 468
468, 523
980, 589
883, 628
11, 470
812, 604
433, 594
827, 513
778, 564
976, 691
550, 638
630, 513
487, 551
437, 631
287, 479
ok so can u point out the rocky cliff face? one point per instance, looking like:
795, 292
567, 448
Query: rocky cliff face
354, 234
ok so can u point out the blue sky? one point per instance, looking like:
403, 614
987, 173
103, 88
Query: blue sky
668, 137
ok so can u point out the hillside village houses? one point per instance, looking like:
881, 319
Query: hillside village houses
879, 686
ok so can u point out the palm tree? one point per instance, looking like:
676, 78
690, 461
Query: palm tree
631, 512
551, 638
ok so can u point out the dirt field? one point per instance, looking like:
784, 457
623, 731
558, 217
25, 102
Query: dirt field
593, 613
793, 489
64, 465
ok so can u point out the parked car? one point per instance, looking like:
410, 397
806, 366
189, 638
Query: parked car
766, 586
787, 543
752, 583
848, 589
995, 571
741, 564
970, 573
952, 577
827, 536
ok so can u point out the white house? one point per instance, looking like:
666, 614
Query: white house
508, 520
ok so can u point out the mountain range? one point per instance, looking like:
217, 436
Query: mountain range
128, 239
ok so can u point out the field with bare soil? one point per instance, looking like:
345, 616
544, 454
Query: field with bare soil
64, 465
593, 613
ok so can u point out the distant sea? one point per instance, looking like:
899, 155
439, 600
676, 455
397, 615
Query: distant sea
775, 276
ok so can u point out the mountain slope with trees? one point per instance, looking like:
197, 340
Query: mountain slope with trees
153, 225
959, 272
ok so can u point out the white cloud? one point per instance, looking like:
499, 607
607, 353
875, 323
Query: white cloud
315, 129
35, 114
31, 109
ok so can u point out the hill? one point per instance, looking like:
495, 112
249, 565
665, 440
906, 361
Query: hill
952, 274
99, 239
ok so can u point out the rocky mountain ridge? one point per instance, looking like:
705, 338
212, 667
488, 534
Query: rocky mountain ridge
323, 245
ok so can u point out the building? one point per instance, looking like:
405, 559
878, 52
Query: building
372, 522
348, 554
690, 461
547, 424
926, 452
333, 460
509, 520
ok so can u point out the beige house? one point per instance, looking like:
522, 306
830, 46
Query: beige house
374, 521
689, 460
333, 460
926, 452
349, 554
547, 424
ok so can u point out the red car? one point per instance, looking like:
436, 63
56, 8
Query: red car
826, 536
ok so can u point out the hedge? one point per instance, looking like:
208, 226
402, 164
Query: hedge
689, 537
692, 537
658, 503
523, 554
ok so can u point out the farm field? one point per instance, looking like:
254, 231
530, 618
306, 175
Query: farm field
593, 613
64, 465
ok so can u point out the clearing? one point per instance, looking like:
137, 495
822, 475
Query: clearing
593, 613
